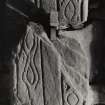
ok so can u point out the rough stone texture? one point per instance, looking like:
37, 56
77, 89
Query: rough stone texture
73, 12
36, 70
49, 5
27, 88
64, 70
51, 76
55, 72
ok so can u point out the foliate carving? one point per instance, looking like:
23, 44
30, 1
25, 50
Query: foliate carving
28, 81
74, 70
73, 12
69, 94
30, 76
72, 98
30, 72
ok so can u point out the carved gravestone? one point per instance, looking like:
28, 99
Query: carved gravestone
50, 73
55, 70
27, 88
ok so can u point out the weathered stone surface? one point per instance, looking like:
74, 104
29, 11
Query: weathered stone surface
70, 95
49, 5
68, 70
75, 49
53, 72
51, 76
39, 80
27, 88
73, 12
